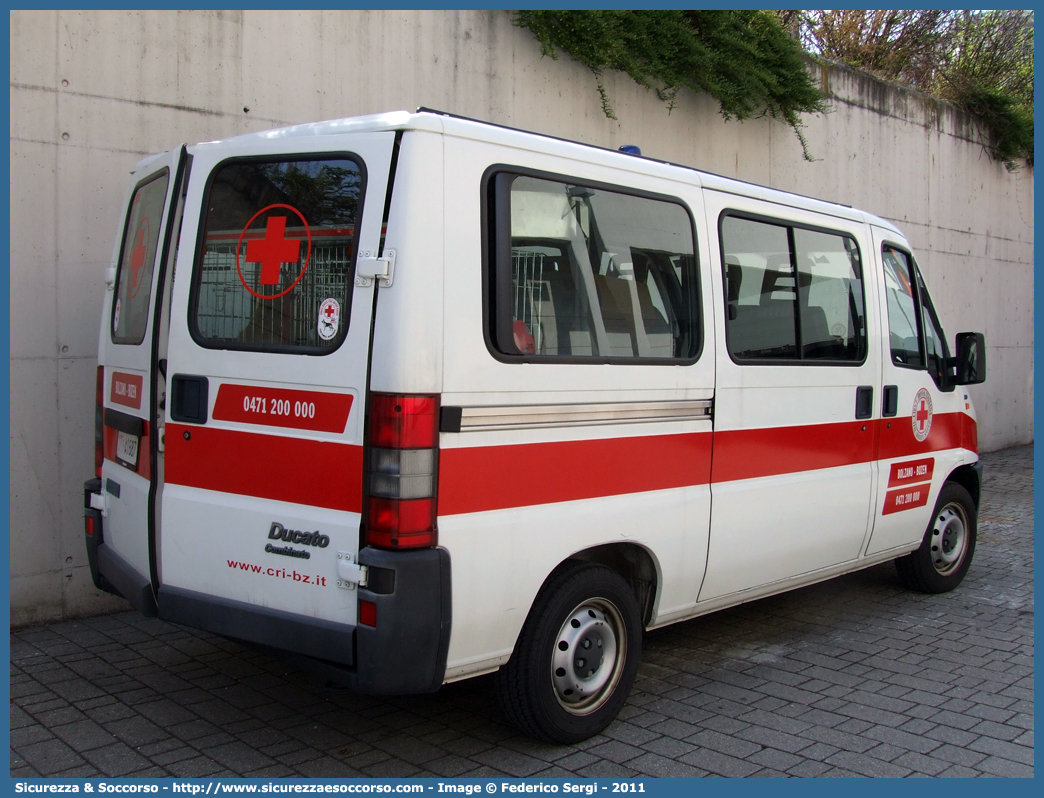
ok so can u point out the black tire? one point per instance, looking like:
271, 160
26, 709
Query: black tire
548, 689
948, 546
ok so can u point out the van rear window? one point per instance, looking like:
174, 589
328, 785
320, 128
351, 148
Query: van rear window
130, 309
274, 268
585, 271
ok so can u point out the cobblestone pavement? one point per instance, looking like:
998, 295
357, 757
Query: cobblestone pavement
855, 676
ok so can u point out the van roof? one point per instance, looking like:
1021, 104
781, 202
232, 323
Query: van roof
463, 127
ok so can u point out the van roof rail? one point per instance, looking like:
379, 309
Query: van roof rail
425, 110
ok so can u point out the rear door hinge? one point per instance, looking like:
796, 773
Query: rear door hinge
369, 268
98, 503
349, 572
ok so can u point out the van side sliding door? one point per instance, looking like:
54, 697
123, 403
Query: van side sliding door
797, 370
582, 381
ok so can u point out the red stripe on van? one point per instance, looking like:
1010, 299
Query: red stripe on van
497, 477
298, 470
969, 433
474, 479
746, 454
949, 431
751, 453
500, 477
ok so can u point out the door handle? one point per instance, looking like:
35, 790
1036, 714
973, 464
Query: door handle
864, 402
188, 398
890, 403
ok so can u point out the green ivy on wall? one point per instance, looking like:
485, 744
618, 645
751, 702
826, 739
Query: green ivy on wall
744, 59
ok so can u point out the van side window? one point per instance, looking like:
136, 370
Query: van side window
937, 354
903, 330
130, 308
581, 271
277, 248
792, 294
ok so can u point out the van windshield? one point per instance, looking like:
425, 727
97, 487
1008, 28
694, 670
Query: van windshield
274, 268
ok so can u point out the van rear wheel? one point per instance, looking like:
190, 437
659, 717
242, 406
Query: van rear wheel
945, 555
576, 658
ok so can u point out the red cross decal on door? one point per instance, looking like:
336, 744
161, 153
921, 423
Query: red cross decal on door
329, 311
137, 257
273, 250
922, 415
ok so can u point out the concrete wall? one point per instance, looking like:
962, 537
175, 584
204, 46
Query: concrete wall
91, 92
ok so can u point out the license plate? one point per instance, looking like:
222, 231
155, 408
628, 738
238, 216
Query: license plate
127, 449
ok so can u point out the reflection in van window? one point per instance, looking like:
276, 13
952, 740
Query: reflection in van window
130, 312
831, 311
278, 245
594, 273
902, 309
760, 290
936, 353
777, 312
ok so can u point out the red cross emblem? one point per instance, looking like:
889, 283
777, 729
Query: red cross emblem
137, 255
329, 318
922, 414
137, 258
273, 251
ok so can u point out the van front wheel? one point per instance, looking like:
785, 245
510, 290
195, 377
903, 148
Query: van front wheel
576, 658
946, 551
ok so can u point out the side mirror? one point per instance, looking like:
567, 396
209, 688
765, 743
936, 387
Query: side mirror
971, 358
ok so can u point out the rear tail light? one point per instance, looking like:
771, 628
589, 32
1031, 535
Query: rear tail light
402, 473
88, 525
402, 461
99, 423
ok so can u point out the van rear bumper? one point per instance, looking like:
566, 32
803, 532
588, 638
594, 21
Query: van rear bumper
312, 637
404, 653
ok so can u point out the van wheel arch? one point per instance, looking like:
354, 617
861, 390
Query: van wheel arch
940, 563
631, 561
576, 658
967, 477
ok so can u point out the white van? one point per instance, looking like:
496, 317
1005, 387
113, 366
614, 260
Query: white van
421, 398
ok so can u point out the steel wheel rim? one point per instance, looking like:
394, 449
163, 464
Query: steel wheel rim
588, 657
949, 541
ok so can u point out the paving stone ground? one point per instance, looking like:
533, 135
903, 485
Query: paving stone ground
852, 677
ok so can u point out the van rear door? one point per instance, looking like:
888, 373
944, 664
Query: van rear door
126, 372
267, 372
